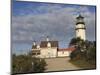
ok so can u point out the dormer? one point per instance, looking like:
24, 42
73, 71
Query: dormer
34, 43
48, 44
38, 46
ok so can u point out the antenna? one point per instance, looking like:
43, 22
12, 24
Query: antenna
79, 10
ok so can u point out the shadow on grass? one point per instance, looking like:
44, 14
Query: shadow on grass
83, 64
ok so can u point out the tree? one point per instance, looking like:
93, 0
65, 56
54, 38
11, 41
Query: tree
84, 50
21, 64
75, 41
27, 64
91, 52
39, 65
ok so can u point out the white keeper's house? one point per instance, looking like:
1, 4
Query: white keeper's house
50, 49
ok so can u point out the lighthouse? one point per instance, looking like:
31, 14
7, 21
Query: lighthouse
80, 28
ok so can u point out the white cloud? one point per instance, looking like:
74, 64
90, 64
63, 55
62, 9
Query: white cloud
57, 22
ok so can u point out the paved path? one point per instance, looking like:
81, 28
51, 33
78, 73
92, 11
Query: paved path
59, 64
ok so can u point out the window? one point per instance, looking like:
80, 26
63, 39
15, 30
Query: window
33, 53
38, 53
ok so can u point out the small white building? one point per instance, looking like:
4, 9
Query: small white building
65, 51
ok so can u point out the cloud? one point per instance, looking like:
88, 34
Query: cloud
57, 22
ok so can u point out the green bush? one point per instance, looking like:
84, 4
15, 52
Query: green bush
85, 50
27, 64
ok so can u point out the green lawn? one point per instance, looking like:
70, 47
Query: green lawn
83, 64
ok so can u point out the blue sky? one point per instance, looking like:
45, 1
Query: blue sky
19, 7
34, 21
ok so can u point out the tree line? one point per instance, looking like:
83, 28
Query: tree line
84, 50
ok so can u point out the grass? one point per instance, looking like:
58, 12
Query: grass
83, 64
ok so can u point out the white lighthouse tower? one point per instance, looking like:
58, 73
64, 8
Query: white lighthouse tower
80, 27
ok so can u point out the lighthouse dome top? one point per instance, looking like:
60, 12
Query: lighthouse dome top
80, 17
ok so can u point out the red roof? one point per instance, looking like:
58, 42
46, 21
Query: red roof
67, 49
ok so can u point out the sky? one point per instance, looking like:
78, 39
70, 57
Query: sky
37, 20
